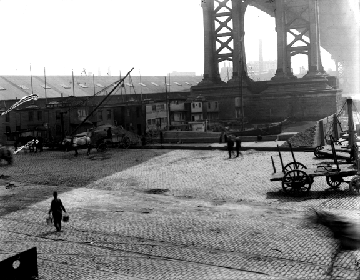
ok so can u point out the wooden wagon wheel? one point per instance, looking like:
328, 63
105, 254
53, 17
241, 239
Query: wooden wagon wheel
126, 142
334, 181
297, 181
293, 165
316, 152
102, 147
354, 185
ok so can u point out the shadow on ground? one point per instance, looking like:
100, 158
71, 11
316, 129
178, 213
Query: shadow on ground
282, 196
34, 176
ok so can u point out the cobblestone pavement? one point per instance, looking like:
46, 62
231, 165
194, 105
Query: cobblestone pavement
185, 215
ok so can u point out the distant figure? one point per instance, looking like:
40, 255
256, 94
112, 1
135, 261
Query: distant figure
56, 209
109, 133
225, 137
161, 138
230, 145
259, 138
238, 145
221, 137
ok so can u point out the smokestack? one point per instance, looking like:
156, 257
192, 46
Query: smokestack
261, 60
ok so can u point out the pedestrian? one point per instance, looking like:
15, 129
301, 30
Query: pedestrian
221, 137
230, 145
109, 133
238, 145
225, 137
161, 138
56, 209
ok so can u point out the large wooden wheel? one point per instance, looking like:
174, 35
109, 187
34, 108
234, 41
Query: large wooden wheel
297, 181
126, 142
354, 185
317, 150
293, 165
334, 181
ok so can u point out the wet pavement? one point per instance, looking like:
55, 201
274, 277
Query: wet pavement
185, 214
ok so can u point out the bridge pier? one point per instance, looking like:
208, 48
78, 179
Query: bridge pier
275, 99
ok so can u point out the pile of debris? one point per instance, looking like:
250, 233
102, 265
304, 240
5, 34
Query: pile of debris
134, 138
302, 139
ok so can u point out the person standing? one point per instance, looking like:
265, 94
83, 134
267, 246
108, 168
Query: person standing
238, 145
230, 145
56, 209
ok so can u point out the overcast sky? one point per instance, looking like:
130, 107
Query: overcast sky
155, 37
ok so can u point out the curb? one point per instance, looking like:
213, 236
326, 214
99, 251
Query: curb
182, 147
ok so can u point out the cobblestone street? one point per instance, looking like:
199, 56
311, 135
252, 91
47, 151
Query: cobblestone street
181, 214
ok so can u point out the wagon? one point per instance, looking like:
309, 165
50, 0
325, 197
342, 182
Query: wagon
102, 141
296, 177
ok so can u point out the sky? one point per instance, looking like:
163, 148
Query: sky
155, 37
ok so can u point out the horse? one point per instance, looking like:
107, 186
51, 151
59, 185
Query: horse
6, 154
76, 142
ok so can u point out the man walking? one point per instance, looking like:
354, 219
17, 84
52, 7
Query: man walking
230, 144
238, 145
56, 209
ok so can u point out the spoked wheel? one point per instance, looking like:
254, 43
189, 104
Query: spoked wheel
334, 181
317, 150
126, 142
296, 180
354, 185
102, 147
294, 165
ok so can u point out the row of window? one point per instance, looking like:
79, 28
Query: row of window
83, 85
163, 121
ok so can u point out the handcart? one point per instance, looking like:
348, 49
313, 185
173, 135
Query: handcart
296, 177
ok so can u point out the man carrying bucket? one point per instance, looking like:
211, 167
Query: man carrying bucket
56, 209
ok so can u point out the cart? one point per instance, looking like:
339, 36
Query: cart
102, 142
296, 177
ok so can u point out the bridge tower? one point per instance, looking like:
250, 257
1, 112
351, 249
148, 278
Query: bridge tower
224, 35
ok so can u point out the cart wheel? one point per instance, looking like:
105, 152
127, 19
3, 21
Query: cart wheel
297, 181
334, 181
102, 147
294, 165
354, 185
316, 152
126, 142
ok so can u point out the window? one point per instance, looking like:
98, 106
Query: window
108, 115
8, 129
57, 113
137, 112
7, 117
209, 105
128, 112
149, 122
153, 121
100, 118
31, 116
154, 108
193, 105
39, 115
216, 104
200, 105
